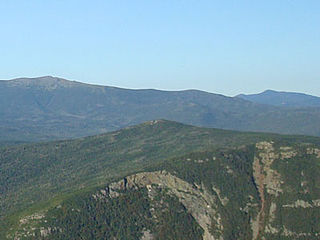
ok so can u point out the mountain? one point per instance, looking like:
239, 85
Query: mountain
49, 108
284, 99
162, 180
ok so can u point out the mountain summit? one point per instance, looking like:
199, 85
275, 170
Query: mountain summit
46, 82
284, 99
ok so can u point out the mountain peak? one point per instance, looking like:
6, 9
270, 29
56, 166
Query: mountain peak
269, 91
46, 82
281, 98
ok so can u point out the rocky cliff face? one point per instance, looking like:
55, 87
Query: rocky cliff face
273, 193
198, 201
279, 198
272, 188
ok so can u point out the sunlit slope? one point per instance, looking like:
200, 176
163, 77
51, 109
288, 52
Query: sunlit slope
35, 172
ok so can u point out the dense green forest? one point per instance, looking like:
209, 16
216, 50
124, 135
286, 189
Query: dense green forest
163, 180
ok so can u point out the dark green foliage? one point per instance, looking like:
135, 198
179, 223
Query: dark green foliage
211, 169
56, 167
37, 172
302, 220
124, 217
40, 177
86, 218
301, 168
301, 175
173, 221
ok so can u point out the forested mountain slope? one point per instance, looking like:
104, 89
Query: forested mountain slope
49, 108
163, 180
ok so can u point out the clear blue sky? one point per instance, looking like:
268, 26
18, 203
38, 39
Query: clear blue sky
226, 47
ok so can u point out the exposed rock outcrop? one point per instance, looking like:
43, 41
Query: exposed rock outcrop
197, 200
314, 151
267, 180
287, 152
303, 204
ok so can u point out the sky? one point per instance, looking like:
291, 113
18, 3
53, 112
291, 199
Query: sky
227, 47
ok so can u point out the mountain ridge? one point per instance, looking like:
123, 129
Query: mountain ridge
61, 109
161, 179
282, 98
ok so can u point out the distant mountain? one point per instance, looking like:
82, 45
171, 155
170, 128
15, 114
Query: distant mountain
284, 99
47, 108
162, 180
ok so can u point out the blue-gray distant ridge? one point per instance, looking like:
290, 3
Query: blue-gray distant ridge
48, 108
284, 99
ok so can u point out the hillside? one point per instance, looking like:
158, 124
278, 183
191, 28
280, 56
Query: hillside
49, 108
284, 99
57, 166
162, 180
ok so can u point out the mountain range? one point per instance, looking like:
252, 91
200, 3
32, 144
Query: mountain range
81, 161
162, 180
50, 108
